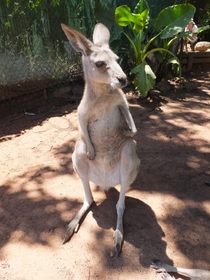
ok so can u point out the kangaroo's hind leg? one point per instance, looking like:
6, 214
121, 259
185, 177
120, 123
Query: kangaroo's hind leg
129, 166
79, 158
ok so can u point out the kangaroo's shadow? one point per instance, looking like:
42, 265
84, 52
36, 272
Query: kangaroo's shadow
140, 226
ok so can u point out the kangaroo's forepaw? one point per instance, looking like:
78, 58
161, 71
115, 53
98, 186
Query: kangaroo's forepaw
71, 229
128, 132
157, 265
118, 240
91, 154
166, 276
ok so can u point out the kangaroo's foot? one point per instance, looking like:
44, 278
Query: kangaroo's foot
118, 240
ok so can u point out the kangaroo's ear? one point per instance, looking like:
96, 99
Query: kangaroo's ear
101, 35
78, 41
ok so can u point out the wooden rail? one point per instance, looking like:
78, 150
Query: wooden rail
191, 58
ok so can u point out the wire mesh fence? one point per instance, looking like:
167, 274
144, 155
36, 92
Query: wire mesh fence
34, 52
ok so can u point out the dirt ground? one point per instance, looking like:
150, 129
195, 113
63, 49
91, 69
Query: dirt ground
167, 213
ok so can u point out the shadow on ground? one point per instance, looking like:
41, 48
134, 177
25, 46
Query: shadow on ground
173, 145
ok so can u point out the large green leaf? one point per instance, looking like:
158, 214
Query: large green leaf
140, 20
201, 29
144, 78
141, 6
175, 64
187, 35
173, 19
170, 32
125, 17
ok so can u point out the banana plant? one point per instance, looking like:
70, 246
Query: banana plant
168, 25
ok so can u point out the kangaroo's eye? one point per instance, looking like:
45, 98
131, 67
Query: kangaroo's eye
100, 64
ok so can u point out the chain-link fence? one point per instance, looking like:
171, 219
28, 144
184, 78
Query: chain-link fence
34, 52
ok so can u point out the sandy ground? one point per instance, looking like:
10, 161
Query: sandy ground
167, 208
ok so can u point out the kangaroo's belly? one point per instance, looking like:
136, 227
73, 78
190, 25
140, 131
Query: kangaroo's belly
108, 139
102, 174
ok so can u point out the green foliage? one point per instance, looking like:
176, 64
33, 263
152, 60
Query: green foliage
106, 16
144, 77
167, 27
30, 32
30, 29
31, 4
202, 16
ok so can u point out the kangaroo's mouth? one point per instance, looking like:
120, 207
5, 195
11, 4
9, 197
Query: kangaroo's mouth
121, 83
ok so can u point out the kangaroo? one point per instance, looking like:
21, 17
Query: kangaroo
193, 274
105, 153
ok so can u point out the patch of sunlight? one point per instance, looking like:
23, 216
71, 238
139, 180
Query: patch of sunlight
195, 163
157, 201
176, 255
160, 136
206, 207
183, 137
34, 194
154, 117
172, 107
23, 258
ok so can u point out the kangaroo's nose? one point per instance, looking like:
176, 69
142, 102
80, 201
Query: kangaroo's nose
123, 81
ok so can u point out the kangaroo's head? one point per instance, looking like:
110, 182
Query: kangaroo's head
99, 61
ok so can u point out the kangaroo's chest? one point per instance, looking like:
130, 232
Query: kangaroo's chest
105, 120
105, 123
106, 133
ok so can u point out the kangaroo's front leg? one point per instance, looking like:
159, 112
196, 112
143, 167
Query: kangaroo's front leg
83, 123
129, 119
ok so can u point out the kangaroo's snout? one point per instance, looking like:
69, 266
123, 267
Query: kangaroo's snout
123, 81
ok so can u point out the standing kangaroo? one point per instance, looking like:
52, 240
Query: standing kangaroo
105, 153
